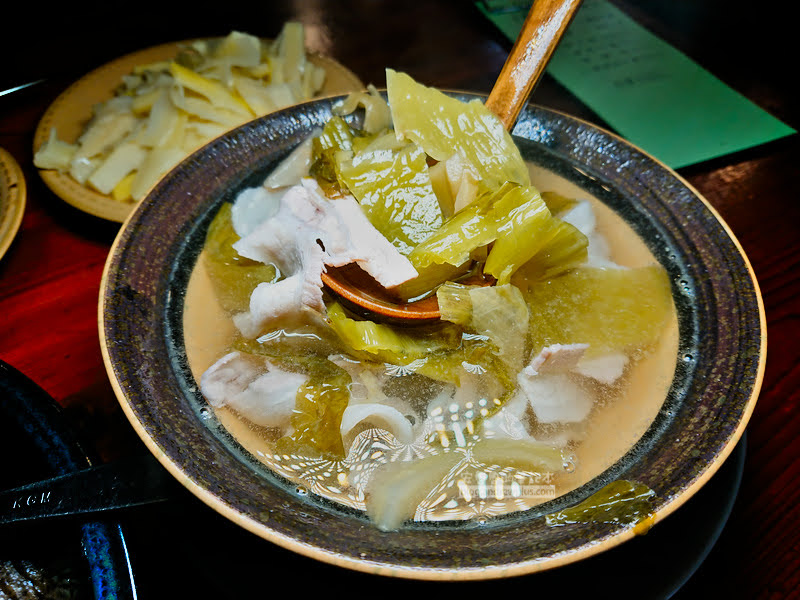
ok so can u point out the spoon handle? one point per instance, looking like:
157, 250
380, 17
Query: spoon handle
122, 484
546, 22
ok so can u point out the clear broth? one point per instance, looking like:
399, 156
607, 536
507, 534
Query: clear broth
614, 426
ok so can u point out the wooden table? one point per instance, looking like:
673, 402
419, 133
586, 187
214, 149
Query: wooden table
49, 279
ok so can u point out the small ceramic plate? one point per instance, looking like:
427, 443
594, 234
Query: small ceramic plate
714, 369
72, 109
12, 199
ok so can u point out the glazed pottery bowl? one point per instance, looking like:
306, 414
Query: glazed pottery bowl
715, 368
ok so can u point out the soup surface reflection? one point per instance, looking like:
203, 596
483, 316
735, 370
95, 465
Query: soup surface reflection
620, 414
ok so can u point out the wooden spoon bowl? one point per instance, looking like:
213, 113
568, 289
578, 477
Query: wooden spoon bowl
362, 294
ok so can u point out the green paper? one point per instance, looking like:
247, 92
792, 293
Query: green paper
649, 92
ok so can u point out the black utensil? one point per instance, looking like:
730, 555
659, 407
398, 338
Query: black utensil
121, 484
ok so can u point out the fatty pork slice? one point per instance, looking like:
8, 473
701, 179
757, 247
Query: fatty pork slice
357, 241
307, 233
582, 217
253, 206
558, 358
562, 358
605, 369
253, 387
554, 398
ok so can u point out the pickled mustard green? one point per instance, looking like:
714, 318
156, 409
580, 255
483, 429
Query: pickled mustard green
619, 502
233, 277
611, 310
442, 126
444, 183
395, 193
318, 411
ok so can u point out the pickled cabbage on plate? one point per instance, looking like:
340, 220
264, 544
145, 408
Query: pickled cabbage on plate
163, 111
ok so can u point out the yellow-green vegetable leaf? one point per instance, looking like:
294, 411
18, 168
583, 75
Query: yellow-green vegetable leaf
456, 184
377, 116
442, 126
498, 312
234, 278
380, 342
473, 227
609, 309
558, 203
319, 406
539, 246
475, 355
395, 193
521, 229
514, 218
336, 136
620, 502
521, 233
429, 278
486, 219
440, 353
565, 249
397, 488
524, 454
373, 142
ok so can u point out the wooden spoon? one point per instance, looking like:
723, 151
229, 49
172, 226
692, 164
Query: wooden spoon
543, 27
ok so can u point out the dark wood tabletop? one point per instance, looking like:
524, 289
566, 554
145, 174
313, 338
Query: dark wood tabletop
50, 276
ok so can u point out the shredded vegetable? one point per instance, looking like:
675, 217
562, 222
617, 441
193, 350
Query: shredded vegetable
163, 111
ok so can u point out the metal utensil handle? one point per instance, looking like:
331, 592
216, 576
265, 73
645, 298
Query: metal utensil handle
120, 484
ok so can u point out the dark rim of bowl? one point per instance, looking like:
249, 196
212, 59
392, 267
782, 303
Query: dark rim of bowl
718, 370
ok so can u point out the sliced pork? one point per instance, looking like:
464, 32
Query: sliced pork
558, 358
253, 387
554, 398
307, 233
